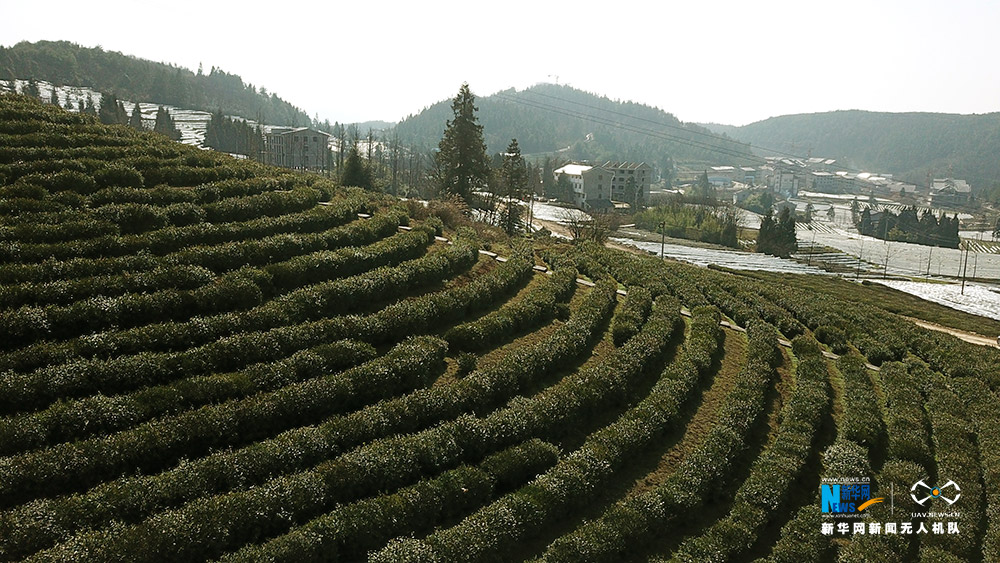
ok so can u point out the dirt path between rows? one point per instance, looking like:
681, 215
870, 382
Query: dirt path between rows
966, 336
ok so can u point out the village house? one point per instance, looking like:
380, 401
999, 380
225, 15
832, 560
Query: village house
302, 148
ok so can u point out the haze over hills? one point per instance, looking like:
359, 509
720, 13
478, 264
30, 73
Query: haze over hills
909, 145
62, 62
549, 118
554, 119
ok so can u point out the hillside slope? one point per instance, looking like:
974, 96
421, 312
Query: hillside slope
549, 118
910, 145
65, 63
203, 358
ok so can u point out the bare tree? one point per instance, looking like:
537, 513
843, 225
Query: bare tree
576, 223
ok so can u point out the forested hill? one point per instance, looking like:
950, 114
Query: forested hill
548, 118
910, 145
66, 63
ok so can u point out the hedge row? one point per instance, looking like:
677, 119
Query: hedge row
155, 444
898, 475
494, 530
537, 306
26, 391
209, 527
801, 540
879, 335
43, 522
384, 464
623, 529
743, 303
906, 422
957, 358
101, 414
862, 421
103, 259
330, 264
983, 410
65, 292
651, 273
774, 473
235, 291
274, 248
182, 335
956, 457
174, 238
353, 293
632, 315
349, 532
136, 219
71, 228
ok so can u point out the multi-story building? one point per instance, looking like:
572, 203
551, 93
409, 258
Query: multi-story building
301, 148
786, 183
640, 173
590, 184
599, 187
949, 191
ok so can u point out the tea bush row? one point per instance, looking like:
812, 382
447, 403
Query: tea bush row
626, 527
154, 445
45, 521
100, 414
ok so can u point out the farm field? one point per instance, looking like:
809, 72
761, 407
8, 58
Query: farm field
210, 359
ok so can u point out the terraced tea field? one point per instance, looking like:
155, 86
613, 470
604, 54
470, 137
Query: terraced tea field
205, 359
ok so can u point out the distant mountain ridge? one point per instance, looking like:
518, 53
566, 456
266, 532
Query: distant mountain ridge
62, 62
909, 145
549, 118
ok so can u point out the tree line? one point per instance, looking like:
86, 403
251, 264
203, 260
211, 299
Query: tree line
62, 62
907, 226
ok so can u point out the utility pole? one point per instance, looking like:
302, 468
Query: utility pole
663, 231
812, 247
966, 268
861, 254
930, 250
885, 265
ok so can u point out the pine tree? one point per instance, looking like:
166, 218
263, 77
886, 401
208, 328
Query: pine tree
355, 171
32, 89
112, 111
513, 182
165, 125
767, 234
462, 164
135, 121
704, 190
787, 243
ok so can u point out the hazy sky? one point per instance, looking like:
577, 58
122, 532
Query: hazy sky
729, 62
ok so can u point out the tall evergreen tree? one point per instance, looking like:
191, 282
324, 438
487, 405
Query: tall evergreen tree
462, 164
767, 234
31, 89
787, 243
513, 182
355, 171
135, 121
165, 124
112, 111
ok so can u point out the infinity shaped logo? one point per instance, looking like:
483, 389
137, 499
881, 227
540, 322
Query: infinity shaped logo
934, 492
